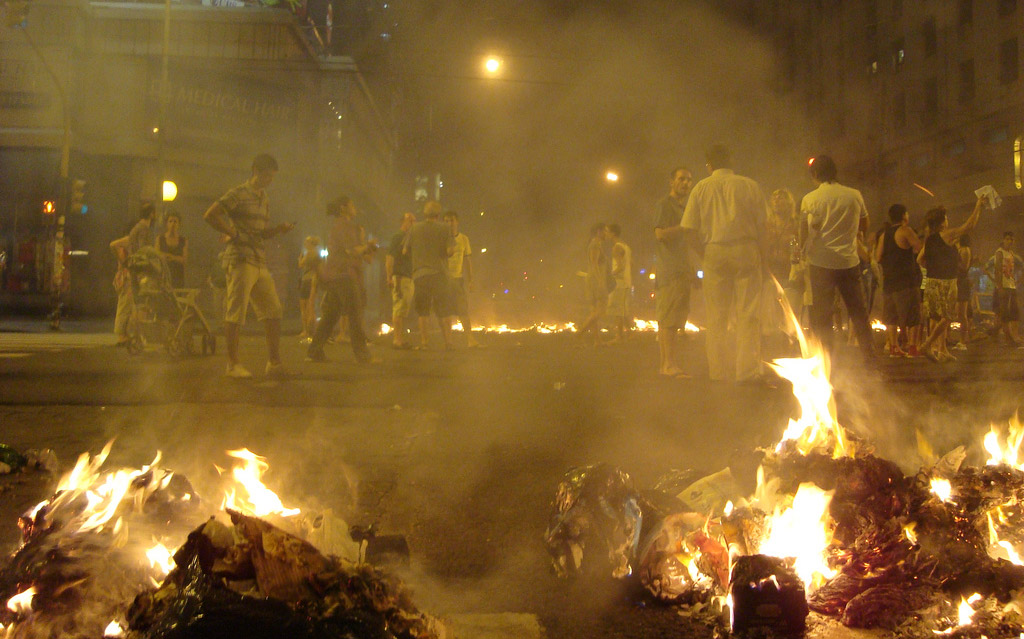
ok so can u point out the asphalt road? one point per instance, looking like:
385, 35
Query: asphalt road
462, 451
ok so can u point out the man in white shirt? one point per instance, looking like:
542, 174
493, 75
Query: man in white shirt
835, 215
729, 212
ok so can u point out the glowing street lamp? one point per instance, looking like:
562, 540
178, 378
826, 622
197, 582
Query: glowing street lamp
492, 65
170, 191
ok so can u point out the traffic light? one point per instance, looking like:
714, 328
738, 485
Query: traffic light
76, 197
16, 13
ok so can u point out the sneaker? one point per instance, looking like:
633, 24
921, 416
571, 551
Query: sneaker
960, 347
277, 371
913, 352
237, 371
931, 355
896, 351
946, 356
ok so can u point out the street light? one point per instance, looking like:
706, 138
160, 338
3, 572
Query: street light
611, 176
170, 191
492, 65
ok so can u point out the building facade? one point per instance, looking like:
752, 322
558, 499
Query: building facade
919, 100
231, 82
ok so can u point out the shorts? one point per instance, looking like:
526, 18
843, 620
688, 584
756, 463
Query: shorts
940, 298
458, 304
1005, 304
431, 291
250, 283
902, 308
401, 297
618, 300
672, 301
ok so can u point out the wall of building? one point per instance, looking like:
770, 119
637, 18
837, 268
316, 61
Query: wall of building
238, 81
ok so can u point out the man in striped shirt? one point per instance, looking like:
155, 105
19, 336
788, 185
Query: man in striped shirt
242, 214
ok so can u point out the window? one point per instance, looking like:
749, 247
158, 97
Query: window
931, 39
899, 110
1008, 67
1016, 164
966, 93
931, 101
995, 135
954, 148
898, 53
966, 13
1007, 7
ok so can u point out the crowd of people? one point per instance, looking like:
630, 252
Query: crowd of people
750, 253
826, 264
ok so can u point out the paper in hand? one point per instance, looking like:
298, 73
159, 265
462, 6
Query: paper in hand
990, 194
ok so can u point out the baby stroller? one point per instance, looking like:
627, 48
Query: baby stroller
161, 312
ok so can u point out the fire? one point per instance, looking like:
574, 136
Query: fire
160, 558
817, 426
385, 329
966, 612
878, 326
113, 629
908, 532
942, 488
261, 500
104, 494
21, 603
1010, 453
801, 532
1000, 547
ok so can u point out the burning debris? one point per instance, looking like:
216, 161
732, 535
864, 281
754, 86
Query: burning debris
255, 575
831, 528
95, 561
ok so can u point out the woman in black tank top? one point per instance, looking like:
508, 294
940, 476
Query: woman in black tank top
174, 248
942, 262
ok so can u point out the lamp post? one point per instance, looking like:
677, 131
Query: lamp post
492, 65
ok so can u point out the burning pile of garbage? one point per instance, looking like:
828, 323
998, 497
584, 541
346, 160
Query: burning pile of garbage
95, 562
832, 533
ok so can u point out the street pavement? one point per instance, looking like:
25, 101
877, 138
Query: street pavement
461, 451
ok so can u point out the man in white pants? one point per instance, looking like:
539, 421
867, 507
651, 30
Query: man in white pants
728, 213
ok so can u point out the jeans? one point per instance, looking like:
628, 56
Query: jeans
824, 283
341, 297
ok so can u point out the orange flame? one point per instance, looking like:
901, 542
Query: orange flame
21, 603
801, 531
817, 427
261, 500
942, 488
1009, 453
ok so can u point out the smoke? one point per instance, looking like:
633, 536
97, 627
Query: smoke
581, 92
